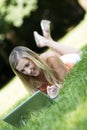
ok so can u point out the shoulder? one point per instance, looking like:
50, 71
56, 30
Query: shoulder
48, 55
51, 58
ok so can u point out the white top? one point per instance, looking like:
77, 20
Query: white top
71, 58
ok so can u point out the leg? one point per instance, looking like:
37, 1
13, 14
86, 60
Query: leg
55, 46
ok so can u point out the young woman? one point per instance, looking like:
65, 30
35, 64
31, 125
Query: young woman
44, 72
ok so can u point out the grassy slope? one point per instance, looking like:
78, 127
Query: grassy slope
77, 37
70, 111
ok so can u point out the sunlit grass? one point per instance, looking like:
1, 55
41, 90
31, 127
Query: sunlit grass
11, 94
76, 116
77, 37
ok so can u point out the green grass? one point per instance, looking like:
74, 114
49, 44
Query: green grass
70, 111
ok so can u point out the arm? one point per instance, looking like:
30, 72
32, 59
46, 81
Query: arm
58, 66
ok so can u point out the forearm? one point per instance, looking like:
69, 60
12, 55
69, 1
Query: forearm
58, 66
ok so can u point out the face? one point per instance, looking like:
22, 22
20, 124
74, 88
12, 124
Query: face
27, 67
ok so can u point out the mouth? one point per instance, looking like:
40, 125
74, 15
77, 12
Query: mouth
34, 72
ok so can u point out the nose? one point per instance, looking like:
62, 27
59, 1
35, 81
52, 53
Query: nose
28, 70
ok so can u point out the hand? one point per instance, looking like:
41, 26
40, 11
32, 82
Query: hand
52, 91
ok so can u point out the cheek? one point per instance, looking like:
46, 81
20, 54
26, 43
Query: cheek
38, 71
33, 65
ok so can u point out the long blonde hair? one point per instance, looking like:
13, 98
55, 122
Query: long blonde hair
30, 83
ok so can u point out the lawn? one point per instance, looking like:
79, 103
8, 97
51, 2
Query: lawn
70, 111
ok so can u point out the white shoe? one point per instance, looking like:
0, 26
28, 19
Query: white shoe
45, 25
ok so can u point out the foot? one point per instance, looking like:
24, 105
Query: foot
45, 25
40, 40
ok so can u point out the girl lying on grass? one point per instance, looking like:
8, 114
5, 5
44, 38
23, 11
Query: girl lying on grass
44, 72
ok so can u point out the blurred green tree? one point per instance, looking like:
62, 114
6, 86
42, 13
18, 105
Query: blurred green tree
12, 12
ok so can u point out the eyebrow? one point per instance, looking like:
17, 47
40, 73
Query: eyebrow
20, 70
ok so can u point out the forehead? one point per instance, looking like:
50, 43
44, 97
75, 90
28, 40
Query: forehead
22, 62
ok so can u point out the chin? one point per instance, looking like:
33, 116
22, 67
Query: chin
37, 74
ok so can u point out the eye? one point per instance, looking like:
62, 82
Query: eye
22, 71
27, 64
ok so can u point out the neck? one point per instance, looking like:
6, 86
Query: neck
41, 77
